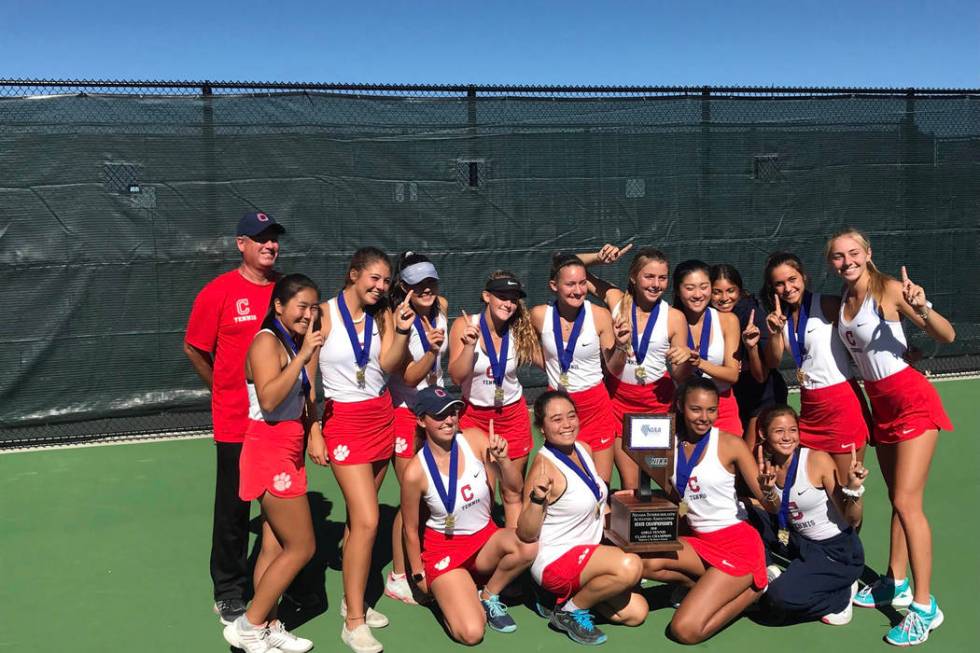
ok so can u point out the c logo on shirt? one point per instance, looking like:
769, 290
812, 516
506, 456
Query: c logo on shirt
849, 336
795, 512
466, 492
692, 484
242, 306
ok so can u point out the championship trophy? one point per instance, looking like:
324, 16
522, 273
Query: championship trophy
645, 520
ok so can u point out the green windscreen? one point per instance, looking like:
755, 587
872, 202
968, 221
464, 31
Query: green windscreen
115, 209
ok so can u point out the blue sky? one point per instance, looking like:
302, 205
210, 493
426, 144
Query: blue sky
857, 43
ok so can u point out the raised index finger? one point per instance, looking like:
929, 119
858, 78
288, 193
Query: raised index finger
775, 299
752, 317
426, 323
758, 455
905, 275
854, 456
408, 297
465, 316
623, 250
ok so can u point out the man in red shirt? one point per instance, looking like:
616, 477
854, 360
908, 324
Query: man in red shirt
225, 317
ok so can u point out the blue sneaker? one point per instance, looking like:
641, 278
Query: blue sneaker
884, 592
914, 629
578, 626
497, 616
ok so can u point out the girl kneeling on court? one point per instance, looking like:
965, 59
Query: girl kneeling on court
722, 561
814, 524
450, 480
271, 465
564, 503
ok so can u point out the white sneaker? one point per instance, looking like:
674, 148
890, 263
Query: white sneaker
251, 640
285, 641
360, 639
843, 617
399, 589
773, 572
372, 617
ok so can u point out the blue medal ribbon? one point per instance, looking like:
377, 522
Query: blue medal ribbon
686, 465
584, 474
362, 353
425, 341
498, 364
448, 497
787, 487
705, 338
641, 345
797, 335
292, 347
566, 354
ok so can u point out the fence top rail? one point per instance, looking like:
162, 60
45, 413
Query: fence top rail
208, 87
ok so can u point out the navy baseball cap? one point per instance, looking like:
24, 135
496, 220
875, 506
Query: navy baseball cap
505, 285
434, 400
254, 223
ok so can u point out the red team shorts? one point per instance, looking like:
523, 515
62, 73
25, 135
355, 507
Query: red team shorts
359, 432
654, 397
736, 550
511, 422
272, 460
834, 418
596, 424
563, 577
407, 438
442, 553
728, 417
904, 406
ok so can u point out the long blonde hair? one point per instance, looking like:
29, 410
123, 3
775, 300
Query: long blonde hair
877, 280
643, 256
522, 332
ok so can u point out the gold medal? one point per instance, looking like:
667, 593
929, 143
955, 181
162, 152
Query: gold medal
432, 379
563, 380
801, 376
450, 523
640, 373
682, 508
598, 510
498, 395
361, 377
783, 536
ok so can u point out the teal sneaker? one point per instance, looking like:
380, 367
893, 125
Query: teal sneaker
884, 592
497, 616
914, 629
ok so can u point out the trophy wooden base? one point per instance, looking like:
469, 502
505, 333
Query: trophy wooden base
640, 524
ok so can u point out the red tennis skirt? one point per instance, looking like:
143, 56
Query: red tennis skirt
596, 424
407, 433
834, 418
563, 577
736, 550
359, 432
511, 422
728, 417
904, 406
272, 460
655, 397
441, 553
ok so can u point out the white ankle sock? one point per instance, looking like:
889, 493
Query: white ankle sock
570, 606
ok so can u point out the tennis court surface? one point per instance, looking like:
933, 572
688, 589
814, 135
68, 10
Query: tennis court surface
106, 548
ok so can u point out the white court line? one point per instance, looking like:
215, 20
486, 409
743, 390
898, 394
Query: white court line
113, 442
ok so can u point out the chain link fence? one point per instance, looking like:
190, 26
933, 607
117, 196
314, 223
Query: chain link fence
118, 201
